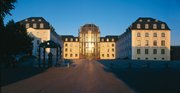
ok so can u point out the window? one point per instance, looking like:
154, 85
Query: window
138, 34
107, 40
146, 51
41, 25
76, 55
39, 20
112, 39
70, 50
146, 34
34, 25
33, 20
162, 26
146, 43
154, 26
66, 45
146, 58
108, 50
27, 25
146, 26
66, 39
112, 45
138, 51
162, 51
66, 49
162, 43
162, 58
155, 43
138, 26
112, 55
138, 58
154, 51
107, 55
140, 20
71, 39
148, 20
102, 39
71, 55
139, 43
66, 55
112, 49
162, 34
155, 34
102, 55
76, 39
155, 58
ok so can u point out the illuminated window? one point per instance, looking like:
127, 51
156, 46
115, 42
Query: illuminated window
66, 49
146, 34
27, 25
162, 34
66, 45
155, 34
34, 25
112, 49
146, 43
138, 34
155, 43
146, 26
138, 26
66, 55
162, 43
102, 55
41, 25
154, 26
107, 40
162, 26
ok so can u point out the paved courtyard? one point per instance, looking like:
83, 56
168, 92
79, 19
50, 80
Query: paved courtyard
83, 76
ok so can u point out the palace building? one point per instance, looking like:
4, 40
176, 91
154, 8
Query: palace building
41, 31
89, 44
145, 39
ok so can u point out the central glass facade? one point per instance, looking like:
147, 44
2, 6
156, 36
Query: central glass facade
89, 38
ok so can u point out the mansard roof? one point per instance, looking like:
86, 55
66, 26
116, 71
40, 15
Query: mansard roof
110, 37
70, 38
37, 21
150, 21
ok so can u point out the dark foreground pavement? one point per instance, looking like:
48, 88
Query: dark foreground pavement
83, 76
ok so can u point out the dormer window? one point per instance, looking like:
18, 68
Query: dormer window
148, 20
76, 39
154, 26
156, 20
146, 26
26, 20
39, 20
140, 20
33, 20
27, 25
41, 25
112, 39
34, 25
107, 40
138, 26
66, 39
102, 39
71, 39
162, 26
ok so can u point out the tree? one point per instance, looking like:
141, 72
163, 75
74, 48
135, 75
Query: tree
15, 40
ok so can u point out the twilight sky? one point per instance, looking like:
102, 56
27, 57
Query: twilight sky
112, 16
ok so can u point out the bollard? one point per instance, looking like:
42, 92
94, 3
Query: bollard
68, 65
